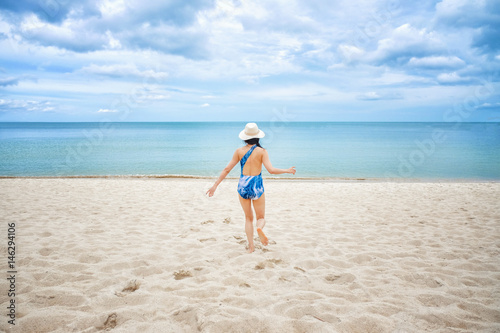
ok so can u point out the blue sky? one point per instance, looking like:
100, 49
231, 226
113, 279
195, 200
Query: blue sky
262, 60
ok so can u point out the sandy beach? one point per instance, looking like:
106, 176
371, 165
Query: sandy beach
157, 255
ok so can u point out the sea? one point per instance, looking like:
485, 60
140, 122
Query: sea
318, 150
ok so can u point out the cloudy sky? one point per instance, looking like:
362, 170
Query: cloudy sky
294, 60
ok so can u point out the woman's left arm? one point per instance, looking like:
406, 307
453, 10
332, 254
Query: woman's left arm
224, 173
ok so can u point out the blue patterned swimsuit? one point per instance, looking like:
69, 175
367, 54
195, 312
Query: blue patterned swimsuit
250, 187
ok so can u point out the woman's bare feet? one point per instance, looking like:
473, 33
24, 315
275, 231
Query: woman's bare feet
250, 248
262, 237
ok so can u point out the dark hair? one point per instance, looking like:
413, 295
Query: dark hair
254, 141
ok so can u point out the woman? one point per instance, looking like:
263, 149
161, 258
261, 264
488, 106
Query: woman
250, 187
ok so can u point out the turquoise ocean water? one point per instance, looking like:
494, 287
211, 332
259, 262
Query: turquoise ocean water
316, 149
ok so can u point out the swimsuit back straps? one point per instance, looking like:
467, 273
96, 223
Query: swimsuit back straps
245, 158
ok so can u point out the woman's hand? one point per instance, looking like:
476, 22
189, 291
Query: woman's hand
211, 191
292, 170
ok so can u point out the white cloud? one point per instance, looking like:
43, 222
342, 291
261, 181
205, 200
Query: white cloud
406, 42
25, 105
111, 8
450, 7
205, 105
460, 12
375, 96
107, 111
113, 42
71, 34
350, 52
8, 81
453, 77
155, 97
489, 106
296, 92
369, 96
436, 62
123, 70
390, 78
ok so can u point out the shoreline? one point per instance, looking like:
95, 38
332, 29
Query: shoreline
293, 179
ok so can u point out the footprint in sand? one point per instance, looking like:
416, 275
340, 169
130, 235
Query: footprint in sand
182, 274
240, 240
261, 265
129, 288
275, 261
340, 279
110, 323
208, 222
207, 239
268, 263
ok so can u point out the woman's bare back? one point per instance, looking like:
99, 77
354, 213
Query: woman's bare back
253, 166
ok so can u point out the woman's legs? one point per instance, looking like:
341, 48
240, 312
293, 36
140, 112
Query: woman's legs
246, 204
260, 210
259, 206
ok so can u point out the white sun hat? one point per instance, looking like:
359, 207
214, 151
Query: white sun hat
251, 131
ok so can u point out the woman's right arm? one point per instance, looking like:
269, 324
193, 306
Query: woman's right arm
272, 170
224, 173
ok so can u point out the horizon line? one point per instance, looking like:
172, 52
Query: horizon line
243, 121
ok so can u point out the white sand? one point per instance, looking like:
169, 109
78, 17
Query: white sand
156, 255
